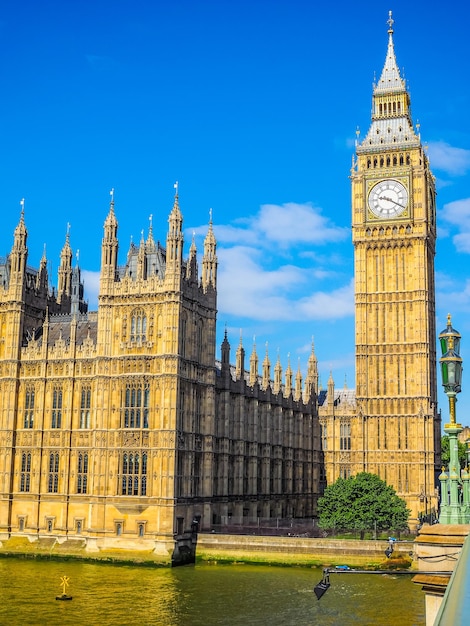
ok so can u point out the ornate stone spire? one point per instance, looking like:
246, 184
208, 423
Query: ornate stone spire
391, 113
331, 390
311, 380
174, 240
18, 258
390, 79
240, 360
277, 375
209, 260
64, 285
192, 269
141, 259
289, 375
253, 366
298, 384
109, 245
266, 369
150, 243
42, 277
225, 353
20, 234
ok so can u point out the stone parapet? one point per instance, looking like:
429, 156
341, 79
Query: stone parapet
437, 548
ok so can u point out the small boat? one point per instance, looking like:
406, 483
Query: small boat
64, 596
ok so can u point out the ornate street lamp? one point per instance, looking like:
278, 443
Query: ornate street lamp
454, 510
451, 366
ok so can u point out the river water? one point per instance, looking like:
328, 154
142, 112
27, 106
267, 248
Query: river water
111, 595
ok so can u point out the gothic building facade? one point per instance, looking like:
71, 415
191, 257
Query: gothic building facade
118, 426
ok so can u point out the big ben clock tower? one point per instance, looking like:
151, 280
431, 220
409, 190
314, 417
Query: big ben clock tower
396, 430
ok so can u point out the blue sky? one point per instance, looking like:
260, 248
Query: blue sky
253, 107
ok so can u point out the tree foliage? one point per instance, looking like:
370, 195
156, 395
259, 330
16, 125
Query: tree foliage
362, 502
445, 452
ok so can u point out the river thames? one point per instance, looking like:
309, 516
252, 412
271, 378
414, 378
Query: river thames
110, 595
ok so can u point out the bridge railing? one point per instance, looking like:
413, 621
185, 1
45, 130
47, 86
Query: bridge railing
455, 607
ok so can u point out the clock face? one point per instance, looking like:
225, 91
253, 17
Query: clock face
388, 198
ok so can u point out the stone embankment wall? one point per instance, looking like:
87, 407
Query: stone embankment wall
299, 551
224, 548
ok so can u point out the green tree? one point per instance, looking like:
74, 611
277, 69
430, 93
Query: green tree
445, 452
362, 502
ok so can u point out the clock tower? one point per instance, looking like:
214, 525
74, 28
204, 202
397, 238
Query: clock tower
396, 429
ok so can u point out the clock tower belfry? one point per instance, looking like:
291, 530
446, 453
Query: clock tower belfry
396, 433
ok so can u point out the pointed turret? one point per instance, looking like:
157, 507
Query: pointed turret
64, 284
150, 245
225, 354
289, 376
77, 302
253, 366
240, 360
42, 279
209, 260
331, 390
18, 257
298, 384
311, 380
277, 375
174, 240
109, 245
266, 369
141, 259
192, 269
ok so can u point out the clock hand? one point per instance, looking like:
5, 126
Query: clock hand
392, 201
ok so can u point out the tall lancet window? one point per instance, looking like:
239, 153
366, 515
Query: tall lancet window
133, 477
56, 421
25, 476
85, 404
138, 326
29, 407
136, 405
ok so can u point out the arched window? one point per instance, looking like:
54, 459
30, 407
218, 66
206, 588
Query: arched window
138, 326
82, 472
56, 421
136, 405
345, 436
29, 407
85, 404
25, 476
53, 476
133, 479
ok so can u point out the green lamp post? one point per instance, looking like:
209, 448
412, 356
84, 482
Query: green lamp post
454, 490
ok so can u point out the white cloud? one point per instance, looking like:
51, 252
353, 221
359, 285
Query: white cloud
296, 223
453, 161
457, 214
335, 304
462, 242
285, 225
92, 287
249, 290
459, 299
